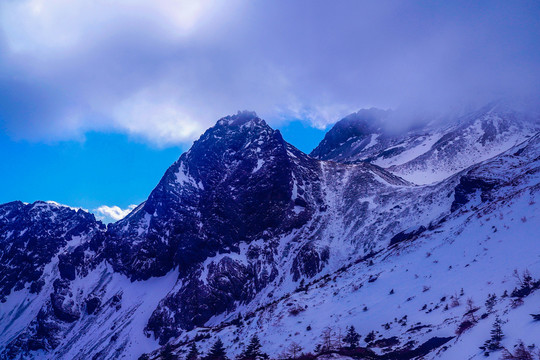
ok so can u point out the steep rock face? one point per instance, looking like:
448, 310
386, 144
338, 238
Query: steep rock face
469, 186
240, 182
234, 185
44, 247
242, 214
31, 235
242, 210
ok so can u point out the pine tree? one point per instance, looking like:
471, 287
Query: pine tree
167, 353
494, 343
370, 337
217, 352
193, 353
352, 338
253, 350
490, 302
496, 334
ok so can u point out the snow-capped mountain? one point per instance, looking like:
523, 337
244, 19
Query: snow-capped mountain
245, 234
431, 153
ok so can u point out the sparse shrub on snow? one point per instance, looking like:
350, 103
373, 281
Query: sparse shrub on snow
464, 326
328, 339
516, 303
526, 284
293, 351
520, 353
471, 310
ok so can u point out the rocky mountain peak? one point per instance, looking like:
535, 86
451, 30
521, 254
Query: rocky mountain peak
234, 132
241, 118
233, 185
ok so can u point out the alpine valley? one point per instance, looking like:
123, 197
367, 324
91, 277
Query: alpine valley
424, 239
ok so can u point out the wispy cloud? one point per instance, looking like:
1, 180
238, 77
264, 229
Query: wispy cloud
113, 213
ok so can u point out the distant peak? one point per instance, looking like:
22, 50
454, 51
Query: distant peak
362, 123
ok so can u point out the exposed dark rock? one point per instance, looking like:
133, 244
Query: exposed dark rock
63, 305
92, 305
227, 281
219, 216
309, 261
211, 199
469, 186
387, 342
409, 234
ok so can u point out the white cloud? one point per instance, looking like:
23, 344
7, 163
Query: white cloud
112, 213
164, 70
39, 26
161, 120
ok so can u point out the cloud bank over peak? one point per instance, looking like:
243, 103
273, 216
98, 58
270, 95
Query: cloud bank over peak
165, 70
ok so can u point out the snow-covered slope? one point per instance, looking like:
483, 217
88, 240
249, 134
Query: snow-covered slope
422, 289
431, 153
245, 234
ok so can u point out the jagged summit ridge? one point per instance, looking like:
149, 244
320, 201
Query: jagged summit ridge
240, 118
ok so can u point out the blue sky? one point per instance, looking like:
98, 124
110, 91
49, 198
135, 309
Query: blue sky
97, 98
103, 169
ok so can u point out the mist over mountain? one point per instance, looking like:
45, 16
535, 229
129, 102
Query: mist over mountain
163, 72
420, 239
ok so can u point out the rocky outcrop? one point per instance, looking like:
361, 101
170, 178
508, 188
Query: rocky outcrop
469, 186
234, 185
